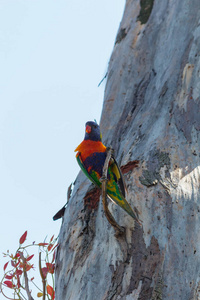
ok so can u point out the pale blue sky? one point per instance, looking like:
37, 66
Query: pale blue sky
53, 54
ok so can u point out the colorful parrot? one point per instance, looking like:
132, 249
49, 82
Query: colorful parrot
91, 157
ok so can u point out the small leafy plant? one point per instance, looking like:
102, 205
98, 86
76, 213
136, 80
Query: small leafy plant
17, 271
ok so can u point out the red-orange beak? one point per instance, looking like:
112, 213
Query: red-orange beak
88, 129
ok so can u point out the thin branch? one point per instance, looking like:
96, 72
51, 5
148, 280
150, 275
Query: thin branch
42, 276
104, 180
61, 212
25, 276
8, 297
102, 79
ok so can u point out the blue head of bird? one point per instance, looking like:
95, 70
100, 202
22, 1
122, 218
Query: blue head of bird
92, 131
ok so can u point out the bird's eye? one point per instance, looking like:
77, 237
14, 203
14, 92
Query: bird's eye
95, 126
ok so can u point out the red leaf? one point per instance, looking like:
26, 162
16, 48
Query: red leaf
23, 238
51, 292
18, 272
5, 266
32, 278
28, 267
51, 267
45, 272
17, 256
55, 246
50, 247
30, 257
51, 239
13, 263
43, 244
9, 276
9, 284
18, 282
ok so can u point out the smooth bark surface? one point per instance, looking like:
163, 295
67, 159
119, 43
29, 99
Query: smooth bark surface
151, 117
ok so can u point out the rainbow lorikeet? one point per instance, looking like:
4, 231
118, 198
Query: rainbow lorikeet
91, 157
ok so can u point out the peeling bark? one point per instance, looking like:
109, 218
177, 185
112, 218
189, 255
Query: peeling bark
151, 117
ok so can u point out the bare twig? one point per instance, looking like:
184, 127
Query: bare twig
42, 276
104, 180
102, 79
61, 212
25, 276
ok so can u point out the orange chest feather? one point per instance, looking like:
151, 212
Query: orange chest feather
86, 148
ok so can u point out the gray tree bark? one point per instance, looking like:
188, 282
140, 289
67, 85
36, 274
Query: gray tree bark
151, 117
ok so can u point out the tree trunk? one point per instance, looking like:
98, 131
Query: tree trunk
151, 117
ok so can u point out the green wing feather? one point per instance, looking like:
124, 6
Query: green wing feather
118, 175
115, 194
94, 180
115, 185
